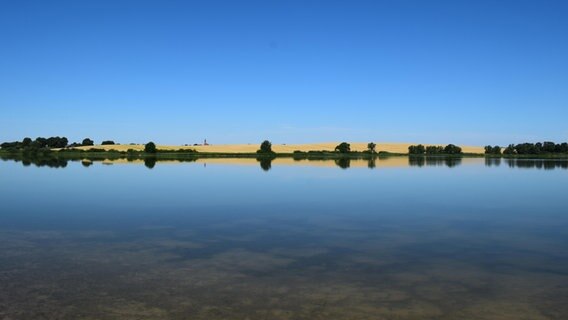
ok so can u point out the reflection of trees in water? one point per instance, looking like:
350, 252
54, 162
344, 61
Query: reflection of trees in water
372, 163
43, 162
150, 162
51, 162
59, 162
449, 162
546, 164
343, 163
416, 161
452, 162
490, 162
188, 159
265, 163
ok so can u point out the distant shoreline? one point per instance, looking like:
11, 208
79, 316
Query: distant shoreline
313, 151
95, 153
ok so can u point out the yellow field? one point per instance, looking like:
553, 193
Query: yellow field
281, 148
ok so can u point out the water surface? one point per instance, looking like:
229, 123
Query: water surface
395, 238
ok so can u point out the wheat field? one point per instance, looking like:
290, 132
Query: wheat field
280, 148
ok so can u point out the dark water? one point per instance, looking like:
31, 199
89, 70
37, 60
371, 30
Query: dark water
242, 239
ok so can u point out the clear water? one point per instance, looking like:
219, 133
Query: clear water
240, 239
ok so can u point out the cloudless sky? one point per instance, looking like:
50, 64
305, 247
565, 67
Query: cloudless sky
176, 72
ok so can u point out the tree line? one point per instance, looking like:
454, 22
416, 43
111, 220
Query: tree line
48, 143
345, 147
433, 150
538, 148
38, 143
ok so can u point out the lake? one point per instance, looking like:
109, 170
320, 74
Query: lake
394, 238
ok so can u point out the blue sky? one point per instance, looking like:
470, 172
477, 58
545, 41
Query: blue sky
465, 72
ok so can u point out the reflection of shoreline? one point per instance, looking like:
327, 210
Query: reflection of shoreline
265, 163
546, 164
449, 162
372, 163
344, 163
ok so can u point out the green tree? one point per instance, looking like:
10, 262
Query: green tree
57, 142
107, 143
452, 149
549, 147
40, 142
150, 147
10, 145
509, 150
343, 147
371, 147
434, 149
27, 142
419, 149
265, 147
88, 142
564, 147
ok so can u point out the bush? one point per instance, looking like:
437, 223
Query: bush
108, 143
88, 142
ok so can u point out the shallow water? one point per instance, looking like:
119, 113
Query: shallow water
397, 238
